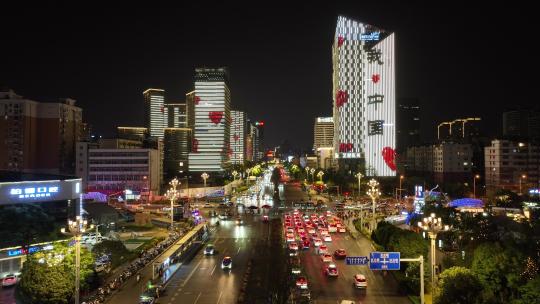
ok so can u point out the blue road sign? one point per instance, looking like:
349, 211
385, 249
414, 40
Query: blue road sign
384, 260
356, 260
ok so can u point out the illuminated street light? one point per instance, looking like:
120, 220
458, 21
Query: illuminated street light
312, 171
76, 228
234, 174
433, 225
205, 176
172, 194
359, 177
307, 171
320, 175
374, 193
474, 184
401, 177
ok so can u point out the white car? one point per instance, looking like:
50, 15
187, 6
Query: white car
342, 229
327, 238
360, 281
317, 242
326, 258
226, 263
9, 280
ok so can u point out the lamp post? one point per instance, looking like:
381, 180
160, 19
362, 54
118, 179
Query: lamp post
433, 225
312, 171
204, 177
173, 194
401, 177
320, 175
523, 176
234, 174
474, 184
359, 177
76, 228
307, 171
248, 171
374, 193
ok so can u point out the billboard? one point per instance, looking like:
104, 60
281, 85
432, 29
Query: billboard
39, 191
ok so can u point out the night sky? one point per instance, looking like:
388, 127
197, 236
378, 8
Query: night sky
459, 61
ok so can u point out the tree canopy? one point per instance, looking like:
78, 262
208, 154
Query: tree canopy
457, 285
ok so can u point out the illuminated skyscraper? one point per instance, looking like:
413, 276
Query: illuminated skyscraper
155, 112
364, 98
211, 148
238, 137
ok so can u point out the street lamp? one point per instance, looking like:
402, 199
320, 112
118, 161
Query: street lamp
433, 225
76, 228
307, 171
474, 184
374, 193
401, 177
320, 175
204, 177
359, 177
234, 174
312, 171
523, 176
173, 194
248, 171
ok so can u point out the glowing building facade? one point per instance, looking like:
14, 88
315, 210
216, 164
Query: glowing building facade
156, 113
238, 137
364, 97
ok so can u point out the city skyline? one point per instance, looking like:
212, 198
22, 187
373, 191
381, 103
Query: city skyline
446, 59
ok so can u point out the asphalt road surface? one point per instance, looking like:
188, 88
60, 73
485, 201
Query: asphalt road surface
381, 289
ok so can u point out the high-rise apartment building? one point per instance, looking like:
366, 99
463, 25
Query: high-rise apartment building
132, 133
238, 137
509, 163
211, 134
255, 142
523, 124
38, 136
364, 98
156, 113
323, 141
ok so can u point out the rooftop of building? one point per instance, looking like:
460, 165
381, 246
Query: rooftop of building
14, 176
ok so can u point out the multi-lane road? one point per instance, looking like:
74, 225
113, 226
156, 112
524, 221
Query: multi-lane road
381, 288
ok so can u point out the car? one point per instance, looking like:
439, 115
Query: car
239, 221
301, 282
290, 238
146, 298
9, 280
342, 229
322, 249
332, 228
102, 266
326, 258
226, 263
295, 264
223, 216
317, 242
331, 270
340, 254
327, 238
293, 246
360, 281
293, 252
265, 218
207, 205
311, 230
305, 244
209, 249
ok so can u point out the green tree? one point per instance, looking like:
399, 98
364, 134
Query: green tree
530, 292
457, 285
48, 276
25, 225
499, 270
115, 249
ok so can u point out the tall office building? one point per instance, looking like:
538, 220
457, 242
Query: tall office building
260, 136
211, 134
238, 137
38, 136
177, 141
323, 141
156, 113
364, 98
521, 124
255, 143
408, 123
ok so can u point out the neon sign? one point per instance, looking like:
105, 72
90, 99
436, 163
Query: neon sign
373, 36
34, 192
21, 251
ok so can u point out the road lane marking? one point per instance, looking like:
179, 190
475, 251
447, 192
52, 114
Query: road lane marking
197, 299
215, 266
219, 299
191, 273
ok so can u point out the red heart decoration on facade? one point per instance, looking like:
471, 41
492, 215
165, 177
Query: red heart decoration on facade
236, 137
215, 117
340, 41
375, 78
389, 156
341, 98
197, 100
195, 145
345, 147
